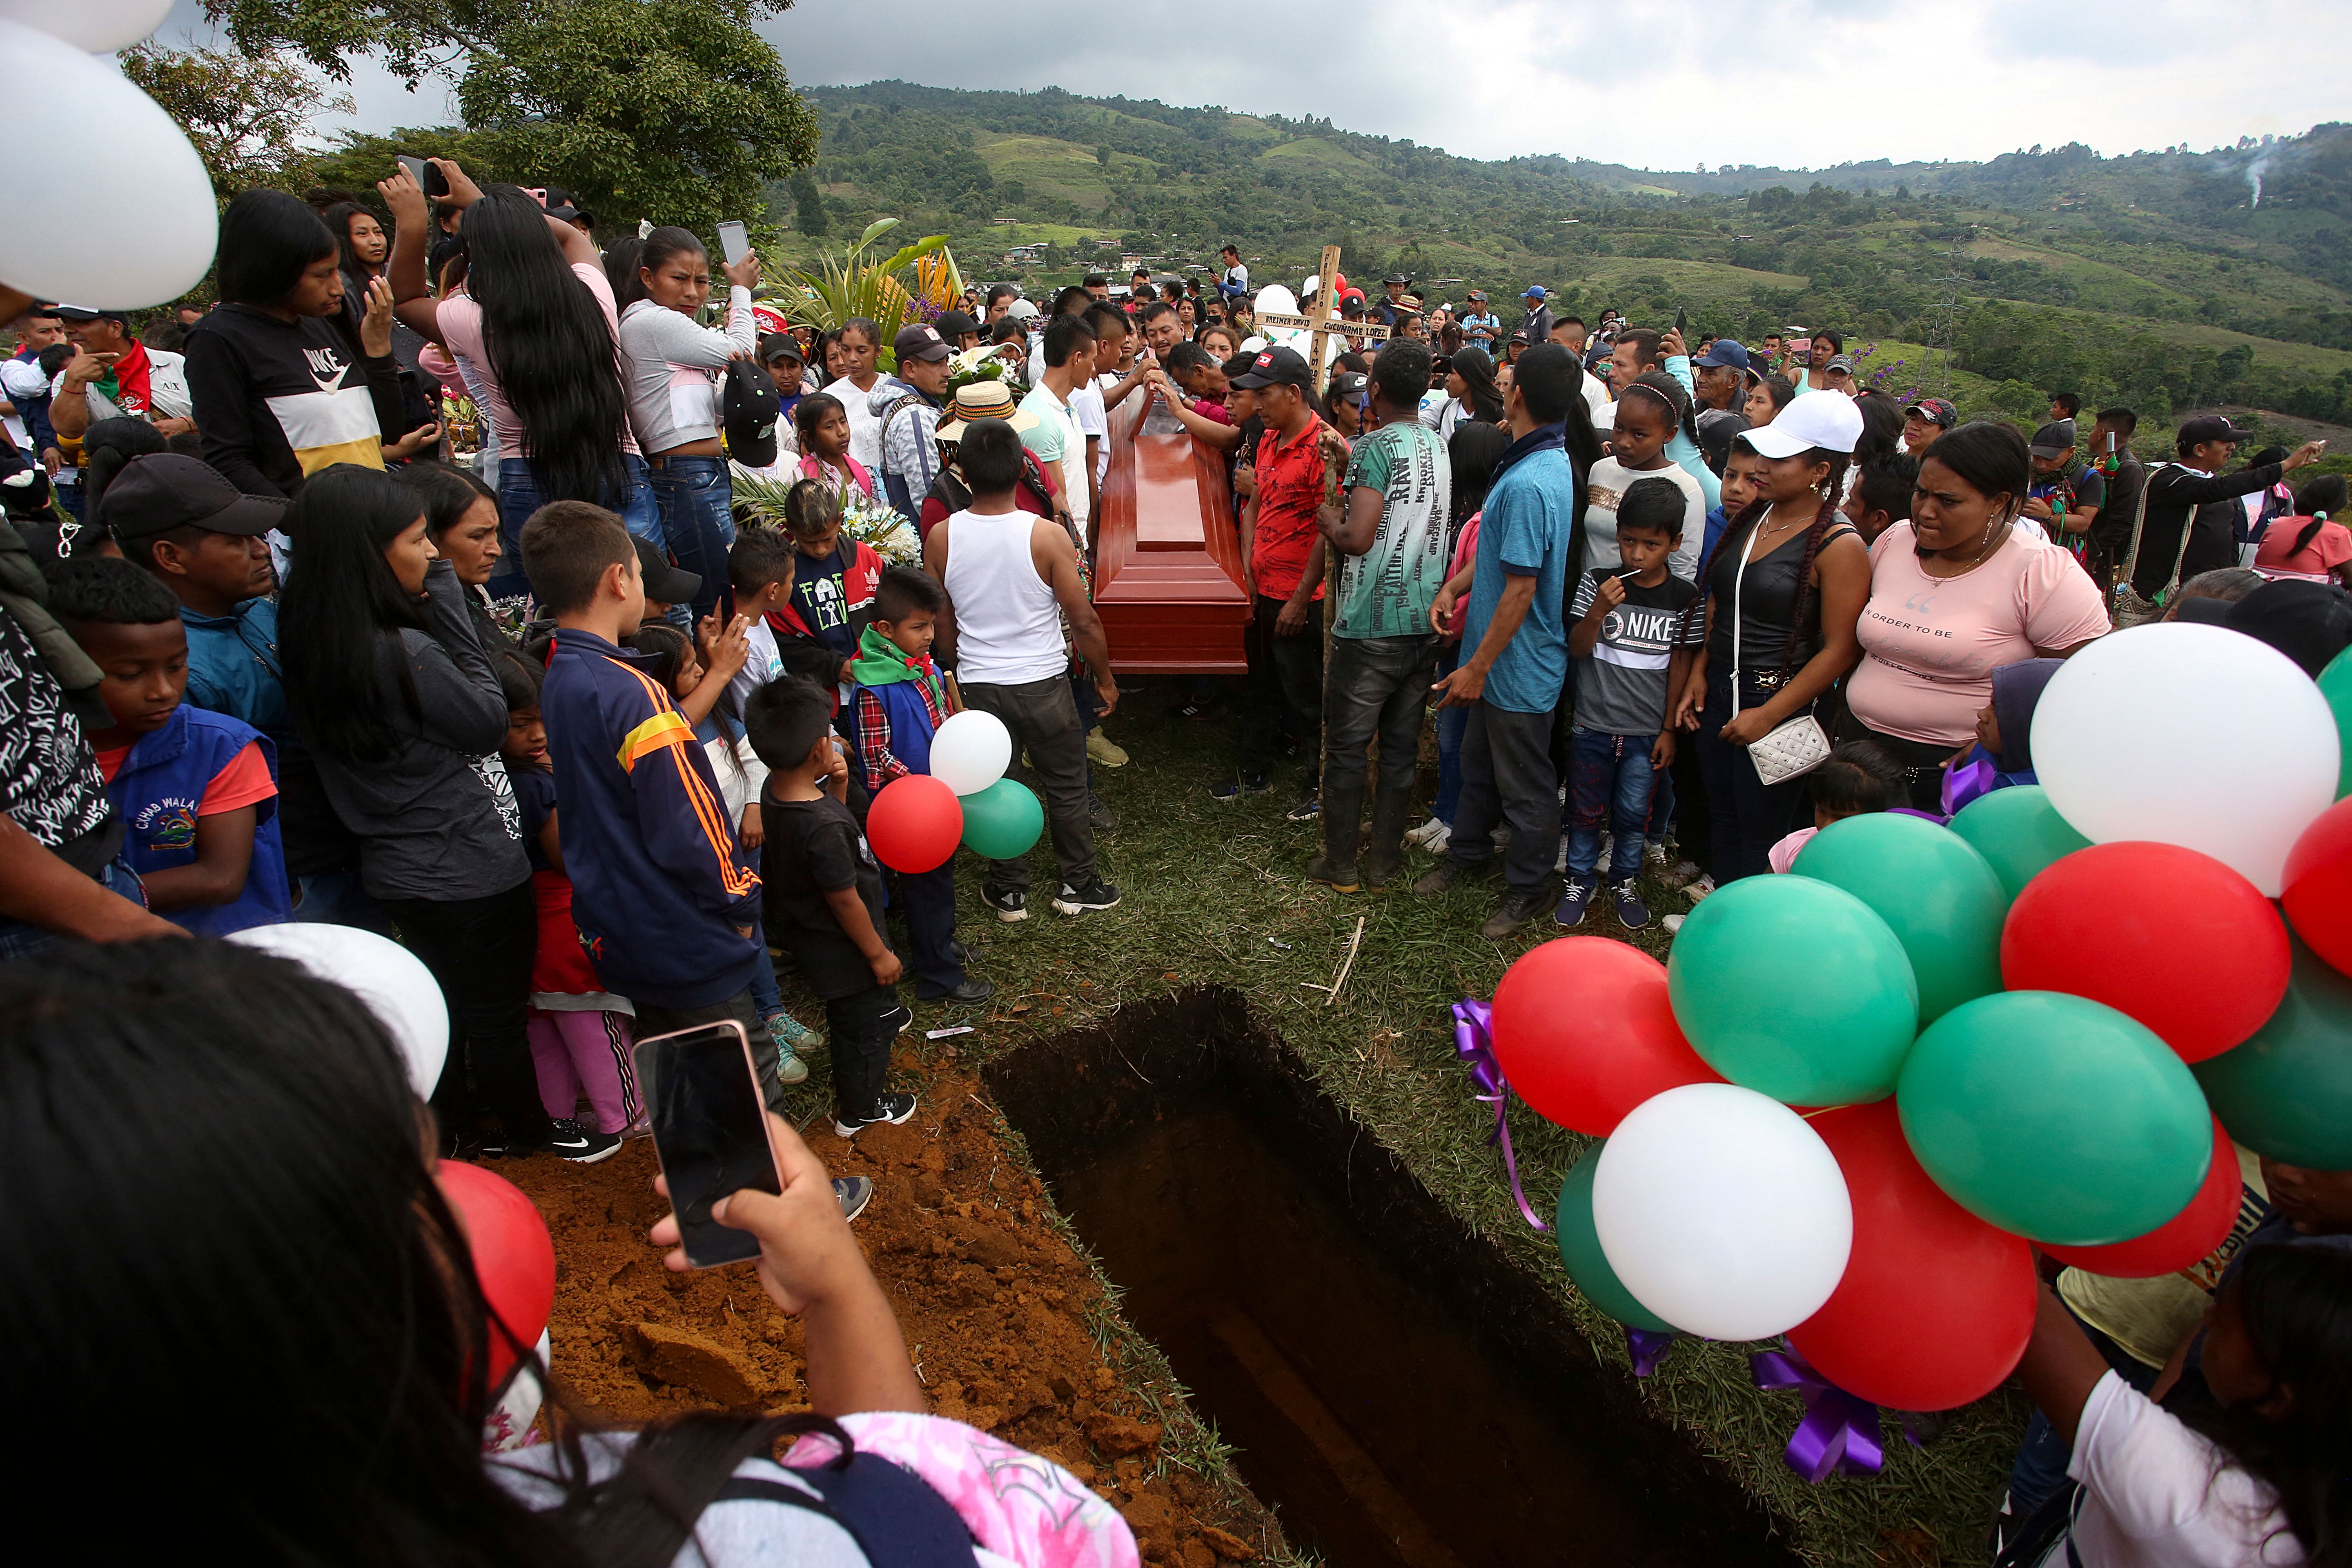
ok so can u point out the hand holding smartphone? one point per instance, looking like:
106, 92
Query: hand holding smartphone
711, 1132
735, 240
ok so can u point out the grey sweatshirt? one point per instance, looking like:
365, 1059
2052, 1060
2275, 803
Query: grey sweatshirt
673, 369
438, 819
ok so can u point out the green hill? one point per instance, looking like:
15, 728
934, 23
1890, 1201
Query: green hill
2152, 277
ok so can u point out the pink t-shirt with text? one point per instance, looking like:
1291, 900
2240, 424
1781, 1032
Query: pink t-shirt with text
461, 329
1931, 644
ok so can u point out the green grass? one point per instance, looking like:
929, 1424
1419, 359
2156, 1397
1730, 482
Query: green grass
1214, 894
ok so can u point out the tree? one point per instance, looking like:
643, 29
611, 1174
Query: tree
680, 112
247, 116
808, 205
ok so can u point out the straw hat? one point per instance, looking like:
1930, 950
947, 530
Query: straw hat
981, 400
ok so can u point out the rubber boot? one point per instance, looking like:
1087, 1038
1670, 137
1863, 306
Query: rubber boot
1343, 805
1383, 854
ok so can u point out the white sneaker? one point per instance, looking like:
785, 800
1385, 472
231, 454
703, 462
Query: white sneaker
1655, 854
1672, 922
1437, 841
1417, 837
1699, 888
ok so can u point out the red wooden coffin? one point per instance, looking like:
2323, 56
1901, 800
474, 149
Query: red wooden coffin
1168, 561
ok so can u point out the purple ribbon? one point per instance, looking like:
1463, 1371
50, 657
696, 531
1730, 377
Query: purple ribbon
1473, 1043
1840, 1431
1969, 780
1647, 1347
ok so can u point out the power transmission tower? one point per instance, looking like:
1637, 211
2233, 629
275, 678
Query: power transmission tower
1947, 330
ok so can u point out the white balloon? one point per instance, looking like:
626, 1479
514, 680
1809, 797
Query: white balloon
2189, 734
94, 26
1723, 1211
394, 982
69, 113
971, 750
1280, 300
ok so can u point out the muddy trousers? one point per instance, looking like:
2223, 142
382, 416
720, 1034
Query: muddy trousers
1373, 686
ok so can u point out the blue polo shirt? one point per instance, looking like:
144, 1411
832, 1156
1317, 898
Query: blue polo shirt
1529, 513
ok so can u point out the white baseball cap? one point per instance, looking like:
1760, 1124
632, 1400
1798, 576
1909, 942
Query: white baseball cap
1826, 420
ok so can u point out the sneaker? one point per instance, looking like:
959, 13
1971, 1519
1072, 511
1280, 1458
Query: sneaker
1671, 923
1631, 912
1439, 877
1575, 897
1419, 837
1309, 807
973, 989
789, 1068
1655, 855
1099, 816
1517, 909
960, 953
893, 1109
580, 1145
1234, 788
1699, 888
1339, 879
1096, 895
1011, 904
1102, 749
853, 1193
1688, 871
1436, 842
1192, 711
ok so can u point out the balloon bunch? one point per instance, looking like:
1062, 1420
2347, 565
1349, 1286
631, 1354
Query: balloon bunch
152, 239
1858, 1097
916, 821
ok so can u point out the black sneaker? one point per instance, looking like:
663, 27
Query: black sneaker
1518, 910
960, 952
853, 1193
1010, 905
1100, 817
893, 1109
1096, 895
580, 1145
1309, 807
973, 989
1631, 912
1234, 788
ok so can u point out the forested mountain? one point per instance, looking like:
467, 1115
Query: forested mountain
2153, 275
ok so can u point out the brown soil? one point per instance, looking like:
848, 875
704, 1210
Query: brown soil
992, 1300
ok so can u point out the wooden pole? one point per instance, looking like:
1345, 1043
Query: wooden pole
1326, 299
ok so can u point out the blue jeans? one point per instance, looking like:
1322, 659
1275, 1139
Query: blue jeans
1451, 722
22, 939
1608, 775
696, 502
765, 996
519, 497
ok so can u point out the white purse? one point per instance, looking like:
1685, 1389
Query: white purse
1790, 750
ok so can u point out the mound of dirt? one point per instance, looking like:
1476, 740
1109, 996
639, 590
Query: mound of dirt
992, 1301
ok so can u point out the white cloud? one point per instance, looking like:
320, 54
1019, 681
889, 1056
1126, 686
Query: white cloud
1664, 84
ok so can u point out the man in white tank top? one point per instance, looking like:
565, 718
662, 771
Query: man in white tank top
1012, 579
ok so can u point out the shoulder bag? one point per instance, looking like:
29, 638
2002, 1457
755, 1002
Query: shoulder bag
1790, 750
2130, 609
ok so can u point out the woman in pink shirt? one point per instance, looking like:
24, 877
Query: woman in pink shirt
1955, 592
537, 339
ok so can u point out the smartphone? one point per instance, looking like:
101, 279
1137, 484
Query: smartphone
1682, 317
416, 168
735, 240
710, 1133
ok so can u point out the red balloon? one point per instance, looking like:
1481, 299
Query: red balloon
2318, 885
2183, 1239
1935, 1305
2166, 935
1584, 1032
514, 1258
915, 823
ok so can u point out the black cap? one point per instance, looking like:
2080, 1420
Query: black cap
954, 324
164, 490
92, 313
1348, 384
665, 584
1399, 279
749, 407
1276, 367
2055, 439
919, 340
2310, 623
784, 345
2210, 428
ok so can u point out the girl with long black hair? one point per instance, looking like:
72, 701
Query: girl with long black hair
366, 251
388, 684
1471, 395
1782, 589
226, 1178
536, 338
673, 368
286, 375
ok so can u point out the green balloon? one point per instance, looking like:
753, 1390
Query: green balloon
2018, 832
1942, 900
2287, 1091
2055, 1117
1795, 989
2336, 685
1580, 1248
1002, 821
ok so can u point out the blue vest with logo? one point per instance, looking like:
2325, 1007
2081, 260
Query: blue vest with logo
159, 791
910, 728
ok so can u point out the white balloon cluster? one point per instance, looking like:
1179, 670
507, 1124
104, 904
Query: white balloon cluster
152, 238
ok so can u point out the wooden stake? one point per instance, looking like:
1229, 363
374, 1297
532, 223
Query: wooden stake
1326, 298
1350, 963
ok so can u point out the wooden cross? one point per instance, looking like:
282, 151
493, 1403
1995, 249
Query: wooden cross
1325, 323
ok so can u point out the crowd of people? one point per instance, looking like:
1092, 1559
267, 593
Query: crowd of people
282, 643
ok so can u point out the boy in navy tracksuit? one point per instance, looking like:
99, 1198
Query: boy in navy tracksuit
898, 700
196, 792
666, 900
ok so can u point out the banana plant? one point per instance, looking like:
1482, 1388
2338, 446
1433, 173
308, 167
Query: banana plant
916, 282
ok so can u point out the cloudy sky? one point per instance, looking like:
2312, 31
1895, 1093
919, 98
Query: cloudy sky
1653, 83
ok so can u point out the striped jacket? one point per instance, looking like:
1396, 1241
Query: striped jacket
666, 900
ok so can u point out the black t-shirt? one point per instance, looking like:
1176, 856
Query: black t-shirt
815, 847
821, 596
1768, 602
